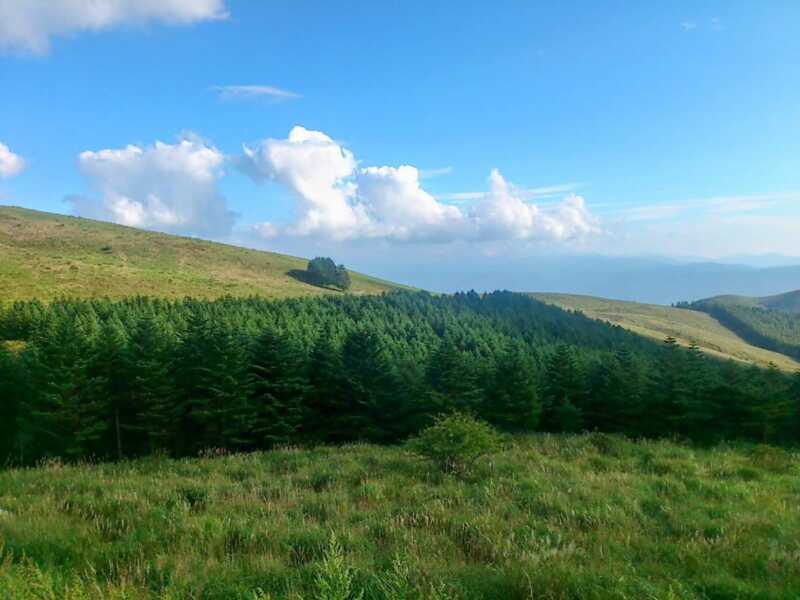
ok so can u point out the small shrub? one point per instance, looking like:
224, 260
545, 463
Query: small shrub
396, 583
455, 442
335, 578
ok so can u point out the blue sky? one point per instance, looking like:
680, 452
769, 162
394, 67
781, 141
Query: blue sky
647, 128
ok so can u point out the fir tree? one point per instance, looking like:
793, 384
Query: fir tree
616, 402
71, 419
278, 385
370, 384
668, 391
453, 379
107, 370
151, 390
9, 404
326, 416
694, 410
212, 367
563, 392
512, 401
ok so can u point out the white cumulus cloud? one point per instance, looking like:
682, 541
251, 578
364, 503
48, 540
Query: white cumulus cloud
29, 25
503, 214
339, 200
10, 164
166, 187
314, 168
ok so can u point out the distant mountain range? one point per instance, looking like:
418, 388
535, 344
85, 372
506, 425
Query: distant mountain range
649, 280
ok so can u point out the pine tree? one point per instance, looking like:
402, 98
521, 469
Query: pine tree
694, 410
10, 404
278, 385
107, 370
71, 420
616, 401
326, 414
563, 392
453, 379
776, 407
794, 394
512, 401
668, 391
152, 394
211, 365
370, 384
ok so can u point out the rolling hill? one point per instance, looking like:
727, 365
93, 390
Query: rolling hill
771, 322
788, 302
45, 256
684, 325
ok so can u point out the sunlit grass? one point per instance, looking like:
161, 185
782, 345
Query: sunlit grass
47, 256
686, 326
589, 516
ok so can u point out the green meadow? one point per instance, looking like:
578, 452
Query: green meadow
587, 516
47, 256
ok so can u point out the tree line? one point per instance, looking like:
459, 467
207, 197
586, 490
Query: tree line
116, 379
772, 329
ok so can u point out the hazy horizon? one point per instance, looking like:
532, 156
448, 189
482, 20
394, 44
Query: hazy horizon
422, 143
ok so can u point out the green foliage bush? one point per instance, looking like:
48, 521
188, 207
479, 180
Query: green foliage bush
455, 442
323, 271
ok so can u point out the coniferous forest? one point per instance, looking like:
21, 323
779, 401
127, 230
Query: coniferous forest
101, 379
774, 330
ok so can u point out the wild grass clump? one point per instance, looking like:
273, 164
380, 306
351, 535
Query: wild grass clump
554, 517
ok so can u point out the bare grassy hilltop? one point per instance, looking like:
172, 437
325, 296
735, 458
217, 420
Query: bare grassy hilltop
685, 325
46, 256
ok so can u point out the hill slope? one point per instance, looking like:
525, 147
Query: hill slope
788, 302
682, 324
771, 322
44, 255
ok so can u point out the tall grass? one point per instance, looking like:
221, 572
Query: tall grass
551, 517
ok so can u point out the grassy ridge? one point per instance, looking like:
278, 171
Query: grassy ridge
589, 516
45, 256
788, 302
684, 325
772, 322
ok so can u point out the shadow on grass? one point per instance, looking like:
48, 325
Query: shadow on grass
304, 277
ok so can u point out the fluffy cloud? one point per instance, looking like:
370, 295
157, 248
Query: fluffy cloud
167, 187
314, 168
10, 164
503, 214
28, 25
338, 200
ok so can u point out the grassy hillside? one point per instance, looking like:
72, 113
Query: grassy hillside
788, 302
771, 322
43, 255
684, 325
552, 517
